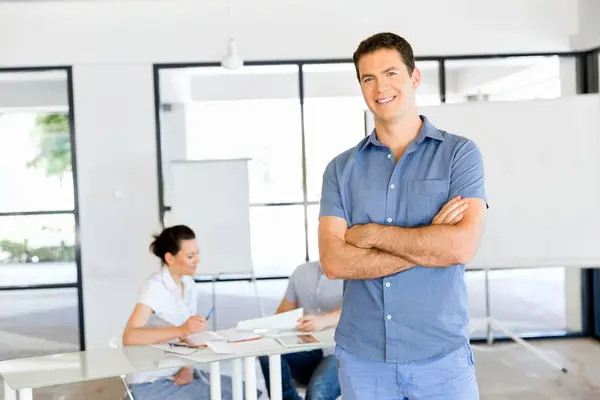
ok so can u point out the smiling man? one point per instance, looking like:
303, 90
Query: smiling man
404, 328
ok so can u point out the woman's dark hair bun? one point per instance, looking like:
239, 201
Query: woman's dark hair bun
169, 240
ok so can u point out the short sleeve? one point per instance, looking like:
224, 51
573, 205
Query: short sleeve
331, 199
467, 175
290, 292
152, 294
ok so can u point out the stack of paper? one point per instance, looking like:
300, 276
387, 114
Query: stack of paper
273, 324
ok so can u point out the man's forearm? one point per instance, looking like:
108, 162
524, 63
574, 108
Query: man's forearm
429, 246
344, 261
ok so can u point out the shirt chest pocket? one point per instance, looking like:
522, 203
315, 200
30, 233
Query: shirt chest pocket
424, 200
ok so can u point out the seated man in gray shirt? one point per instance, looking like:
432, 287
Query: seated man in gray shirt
321, 299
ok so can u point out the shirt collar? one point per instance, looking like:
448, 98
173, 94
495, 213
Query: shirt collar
170, 282
427, 130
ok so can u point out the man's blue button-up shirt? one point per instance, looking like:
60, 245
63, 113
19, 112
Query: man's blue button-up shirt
422, 313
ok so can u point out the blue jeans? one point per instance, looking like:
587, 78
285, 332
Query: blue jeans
307, 368
451, 377
198, 389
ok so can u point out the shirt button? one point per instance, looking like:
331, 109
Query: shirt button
387, 284
389, 156
389, 220
392, 186
389, 316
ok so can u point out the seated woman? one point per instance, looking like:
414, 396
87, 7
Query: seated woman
171, 296
321, 299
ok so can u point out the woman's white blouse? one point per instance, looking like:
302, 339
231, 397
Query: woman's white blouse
170, 308
163, 296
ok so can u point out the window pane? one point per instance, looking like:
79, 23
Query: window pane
35, 162
278, 239
237, 301
334, 117
503, 79
37, 250
252, 113
313, 229
428, 93
38, 322
526, 301
332, 125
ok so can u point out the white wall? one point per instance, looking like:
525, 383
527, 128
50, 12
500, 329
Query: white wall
588, 22
118, 200
58, 32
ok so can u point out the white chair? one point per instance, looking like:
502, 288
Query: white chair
115, 343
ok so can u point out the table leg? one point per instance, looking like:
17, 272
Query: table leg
9, 394
237, 379
275, 377
215, 381
26, 394
250, 375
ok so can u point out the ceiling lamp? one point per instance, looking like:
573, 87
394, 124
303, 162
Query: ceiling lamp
232, 59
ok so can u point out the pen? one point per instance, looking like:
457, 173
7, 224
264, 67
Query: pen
210, 313
181, 345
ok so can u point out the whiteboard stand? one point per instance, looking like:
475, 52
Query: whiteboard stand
214, 302
490, 323
253, 281
260, 305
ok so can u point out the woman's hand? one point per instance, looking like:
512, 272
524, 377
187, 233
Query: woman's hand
184, 376
194, 323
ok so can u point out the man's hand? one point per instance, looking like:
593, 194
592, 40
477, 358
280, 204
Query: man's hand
451, 213
361, 235
312, 323
184, 376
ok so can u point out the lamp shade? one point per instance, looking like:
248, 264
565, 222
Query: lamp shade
232, 59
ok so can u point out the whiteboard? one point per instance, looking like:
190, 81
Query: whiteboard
542, 177
212, 197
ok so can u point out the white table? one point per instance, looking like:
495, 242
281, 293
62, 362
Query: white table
23, 375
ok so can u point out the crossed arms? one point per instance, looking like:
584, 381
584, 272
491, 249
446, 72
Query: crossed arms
372, 250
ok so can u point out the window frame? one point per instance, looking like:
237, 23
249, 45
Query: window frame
74, 211
585, 76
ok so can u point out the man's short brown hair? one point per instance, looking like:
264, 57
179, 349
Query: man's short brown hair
385, 40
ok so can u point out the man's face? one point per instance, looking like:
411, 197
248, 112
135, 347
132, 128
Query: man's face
386, 85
